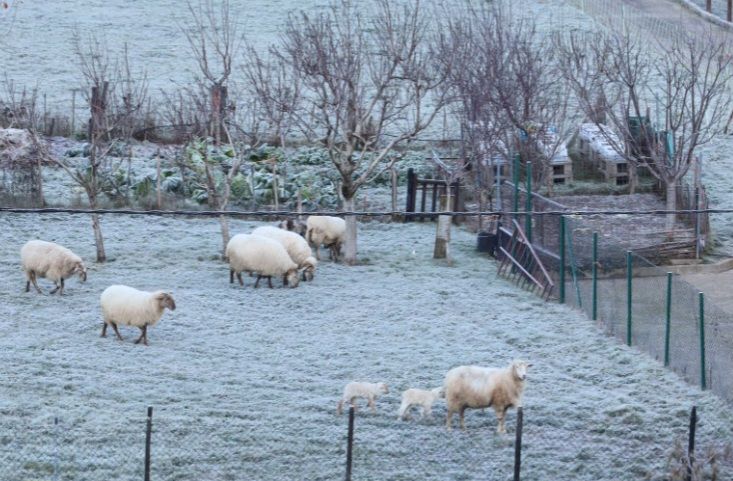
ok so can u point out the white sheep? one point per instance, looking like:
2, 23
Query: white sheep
481, 387
294, 225
262, 256
297, 247
328, 231
369, 391
127, 306
51, 261
419, 397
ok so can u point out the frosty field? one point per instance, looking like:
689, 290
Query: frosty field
245, 382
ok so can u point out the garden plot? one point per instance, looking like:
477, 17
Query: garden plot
245, 382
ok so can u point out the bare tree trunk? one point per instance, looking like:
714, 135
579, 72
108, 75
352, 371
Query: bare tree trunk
671, 204
98, 239
224, 221
442, 233
350, 241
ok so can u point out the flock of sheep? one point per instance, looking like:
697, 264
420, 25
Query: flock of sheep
284, 252
464, 387
267, 252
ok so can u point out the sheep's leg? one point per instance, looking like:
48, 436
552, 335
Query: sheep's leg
61, 292
371, 404
448, 419
143, 336
53, 291
257, 282
239, 278
501, 414
427, 412
318, 253
340, 407
269, 281
117, 331
104, 329
463, 412
231, 276
28, 286
32, 276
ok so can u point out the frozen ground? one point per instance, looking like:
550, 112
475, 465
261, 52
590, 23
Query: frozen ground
245, 382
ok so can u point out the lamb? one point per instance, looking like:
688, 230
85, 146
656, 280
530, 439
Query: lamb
294, 225
419, 397
367, 390
482, 387
297, 247
262, 256
327, 231
128, 306
51, 261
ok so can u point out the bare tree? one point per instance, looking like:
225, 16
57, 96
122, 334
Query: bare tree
688, 79
368, 85
214, 40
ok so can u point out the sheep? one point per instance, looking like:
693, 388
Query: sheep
367, 390
294, 225
130, 307
51, 261
262, 256
419, 397
327, 231
297, 247
482, 387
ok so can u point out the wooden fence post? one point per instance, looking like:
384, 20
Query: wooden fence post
411, 193
518, 444
691, 443
350, 444
148, 440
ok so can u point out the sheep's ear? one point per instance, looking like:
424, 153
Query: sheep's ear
529, 364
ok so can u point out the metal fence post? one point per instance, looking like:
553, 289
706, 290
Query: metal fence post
595, 277
562, 259
515, 179
528, 204
697, 223
703, 381
350, 444
518, 444
691, 443
148, 439
668, 319
628, 296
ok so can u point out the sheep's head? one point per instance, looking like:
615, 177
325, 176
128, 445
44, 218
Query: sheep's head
439, 392
80, 268
165, 299
291, 278
519, 369
383, 388
309, 268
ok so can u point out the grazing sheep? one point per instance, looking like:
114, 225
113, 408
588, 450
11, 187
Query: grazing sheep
128, 306
297, 247
51, 261
369, 391
482, 387
262, 256
294, 225
327, 231
419, 397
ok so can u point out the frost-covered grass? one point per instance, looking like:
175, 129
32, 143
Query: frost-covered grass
245, 382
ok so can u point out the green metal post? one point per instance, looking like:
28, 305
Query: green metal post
528, 204
703, 381
595, 276
628, 297
562, 259
515, 179
668, 318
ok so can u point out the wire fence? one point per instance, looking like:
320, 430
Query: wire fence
222, 449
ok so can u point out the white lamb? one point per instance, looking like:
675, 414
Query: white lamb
51, 261
419, 397
297, 247
327, 231
369, 391
262, 256
481, 387
128, 306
